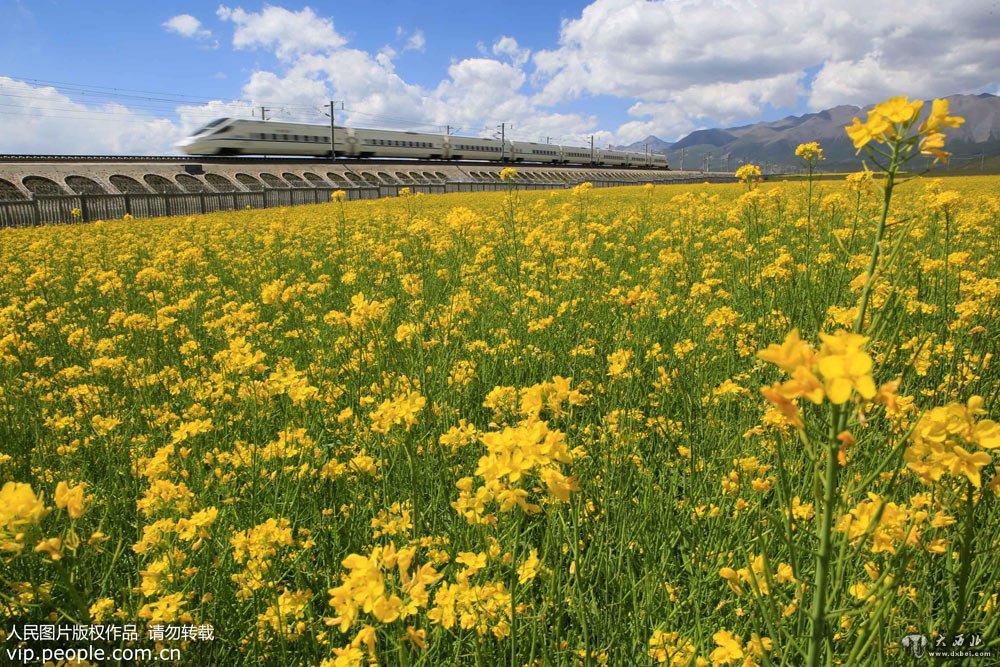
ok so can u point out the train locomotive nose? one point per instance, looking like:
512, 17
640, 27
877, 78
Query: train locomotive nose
187, 145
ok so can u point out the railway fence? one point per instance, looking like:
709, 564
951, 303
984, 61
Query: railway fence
64, 208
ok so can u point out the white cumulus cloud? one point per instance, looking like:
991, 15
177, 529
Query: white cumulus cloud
288, 33
188, 26
730, 60
416, 42
42, 120
508, 47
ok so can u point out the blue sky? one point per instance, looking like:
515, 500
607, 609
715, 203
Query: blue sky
618, 69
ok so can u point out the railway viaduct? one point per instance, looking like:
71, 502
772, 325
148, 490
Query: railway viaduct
22, 177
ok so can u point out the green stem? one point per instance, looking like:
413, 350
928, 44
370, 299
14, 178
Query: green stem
965, 567
947, 253
818, 614
890, 178
809, 209
577, 589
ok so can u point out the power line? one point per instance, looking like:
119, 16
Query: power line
150, 107
123, 112
108, 91
35, 116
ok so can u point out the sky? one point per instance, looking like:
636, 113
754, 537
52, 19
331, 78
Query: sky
126, 77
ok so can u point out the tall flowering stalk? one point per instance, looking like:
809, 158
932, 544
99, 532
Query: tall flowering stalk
840, 373
749, 175
340, 197
891, 124
811, 153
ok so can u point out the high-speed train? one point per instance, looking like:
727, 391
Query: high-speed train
229, 136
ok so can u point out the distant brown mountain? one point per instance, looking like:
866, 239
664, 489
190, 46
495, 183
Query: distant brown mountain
774, 142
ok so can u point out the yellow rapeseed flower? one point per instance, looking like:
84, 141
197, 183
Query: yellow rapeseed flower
71, 498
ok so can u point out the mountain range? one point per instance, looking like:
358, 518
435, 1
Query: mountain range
974, 145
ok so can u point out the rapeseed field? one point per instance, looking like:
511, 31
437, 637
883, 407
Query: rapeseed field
740, 424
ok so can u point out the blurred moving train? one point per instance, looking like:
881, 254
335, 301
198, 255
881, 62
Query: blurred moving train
228, 136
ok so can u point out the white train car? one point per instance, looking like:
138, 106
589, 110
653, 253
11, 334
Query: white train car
527, 151
610, 158
226, 136
385, 143
469, 148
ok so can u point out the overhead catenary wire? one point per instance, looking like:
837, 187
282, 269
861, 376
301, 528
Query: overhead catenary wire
151, 101
179, 98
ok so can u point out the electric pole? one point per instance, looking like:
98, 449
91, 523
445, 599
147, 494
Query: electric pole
263, 110
548, 140
646, 148
682, 159
728, 155
333, 144
503, 141
591, 148
708, 161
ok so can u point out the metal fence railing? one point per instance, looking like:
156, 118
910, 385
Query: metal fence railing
55, 209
